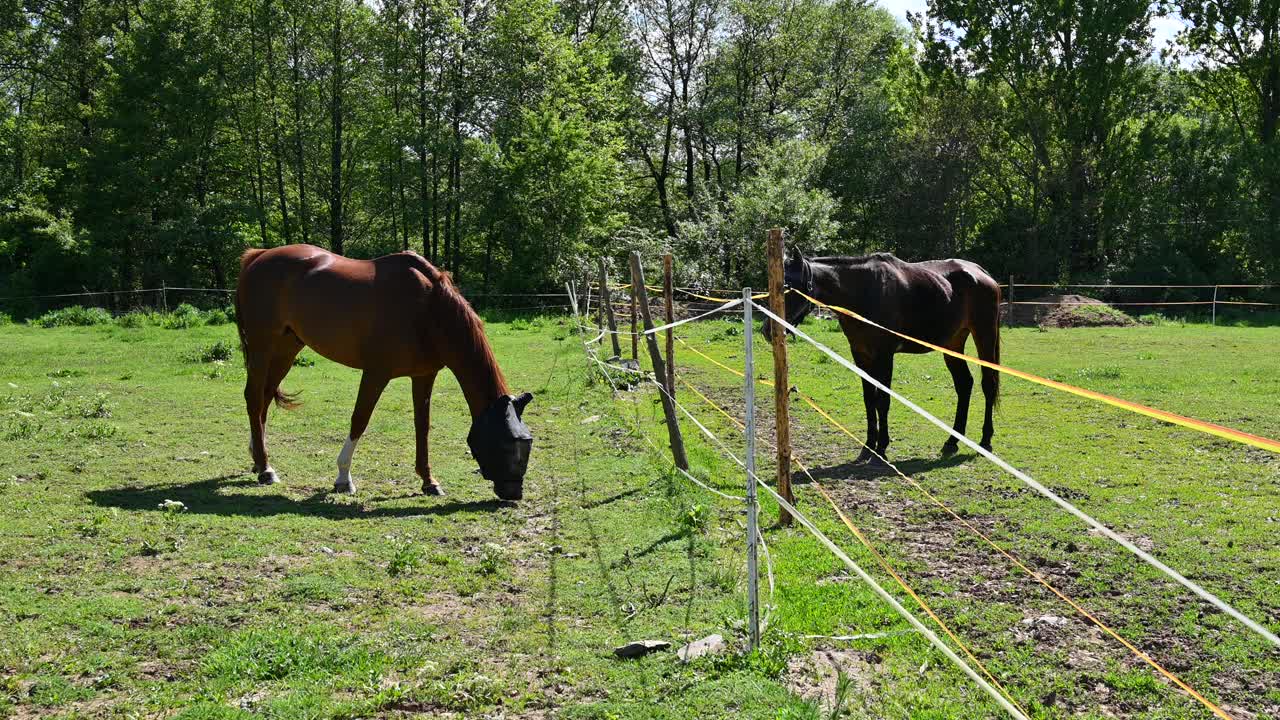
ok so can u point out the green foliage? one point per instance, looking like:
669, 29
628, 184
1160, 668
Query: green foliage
220, 351
405, 557
72, 317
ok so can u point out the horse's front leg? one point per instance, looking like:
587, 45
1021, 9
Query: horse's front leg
371, 386
883, 373
422, 425
869, 395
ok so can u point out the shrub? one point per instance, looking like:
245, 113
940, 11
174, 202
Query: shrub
216, 317
184, 316
220, 351
5, 319
133, 319
74, 316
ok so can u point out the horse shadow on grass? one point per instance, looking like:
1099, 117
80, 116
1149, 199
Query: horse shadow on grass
874, 470
210, 497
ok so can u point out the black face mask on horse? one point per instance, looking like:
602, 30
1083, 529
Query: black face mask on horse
796, 275
500, 442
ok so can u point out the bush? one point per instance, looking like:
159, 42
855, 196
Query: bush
5, 319
184, 316
218, 352
133, 319
74, 316
216, 317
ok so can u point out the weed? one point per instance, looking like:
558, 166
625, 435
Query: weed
65, 373
6, 318
95, 407
220, 351
404, 558
170, 538
282, 653
92, 526
303, 361
493, 559
22, 427
1103, 372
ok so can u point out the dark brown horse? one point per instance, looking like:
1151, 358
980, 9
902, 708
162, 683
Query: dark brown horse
392, 317
938, 301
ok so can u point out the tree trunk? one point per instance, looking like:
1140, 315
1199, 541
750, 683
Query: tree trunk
276, 150
335, 145
304, 214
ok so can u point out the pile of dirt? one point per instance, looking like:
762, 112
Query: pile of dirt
1062, 311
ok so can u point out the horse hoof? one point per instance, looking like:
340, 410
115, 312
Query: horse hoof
432, 489
950, 449
347, 488
268, 477
985, 446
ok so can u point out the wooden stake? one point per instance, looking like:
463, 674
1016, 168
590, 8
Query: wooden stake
607, 304
635, 336
781, 384
659, 367
671, 336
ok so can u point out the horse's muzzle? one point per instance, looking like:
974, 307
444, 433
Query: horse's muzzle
509, 490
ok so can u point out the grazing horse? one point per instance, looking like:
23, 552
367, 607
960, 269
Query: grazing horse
391, 317
938, 301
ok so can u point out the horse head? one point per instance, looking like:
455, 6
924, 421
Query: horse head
500, 442
796, 275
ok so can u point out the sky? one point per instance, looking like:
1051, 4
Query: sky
1165, 28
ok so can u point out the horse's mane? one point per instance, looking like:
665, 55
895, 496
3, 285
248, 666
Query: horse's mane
455, 313
852, 260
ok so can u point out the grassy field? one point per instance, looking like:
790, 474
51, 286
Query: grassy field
286, 601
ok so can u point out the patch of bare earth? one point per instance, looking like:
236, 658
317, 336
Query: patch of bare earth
814, 676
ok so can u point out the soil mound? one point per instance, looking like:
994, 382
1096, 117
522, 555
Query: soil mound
1061, 311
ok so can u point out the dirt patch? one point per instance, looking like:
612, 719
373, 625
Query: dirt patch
1063, 311
814, 677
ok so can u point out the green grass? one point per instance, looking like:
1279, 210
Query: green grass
287, 601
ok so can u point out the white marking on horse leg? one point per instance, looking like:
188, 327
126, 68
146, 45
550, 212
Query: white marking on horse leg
344, 483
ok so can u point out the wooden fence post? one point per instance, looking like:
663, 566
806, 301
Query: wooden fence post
635, 336
671, 317
659, 367
607, 303
781, 382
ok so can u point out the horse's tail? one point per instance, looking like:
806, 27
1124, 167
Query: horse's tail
995, 347
284, 400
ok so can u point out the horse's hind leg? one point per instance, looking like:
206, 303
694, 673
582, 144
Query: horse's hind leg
422, 427
257, 366
988, 342
371, 387
962, 378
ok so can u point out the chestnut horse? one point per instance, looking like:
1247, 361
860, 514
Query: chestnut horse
392, 317
938, 301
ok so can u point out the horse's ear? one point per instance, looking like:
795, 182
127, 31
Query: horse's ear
520, 402
793, 255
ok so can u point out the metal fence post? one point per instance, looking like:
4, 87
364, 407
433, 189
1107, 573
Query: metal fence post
749, 390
